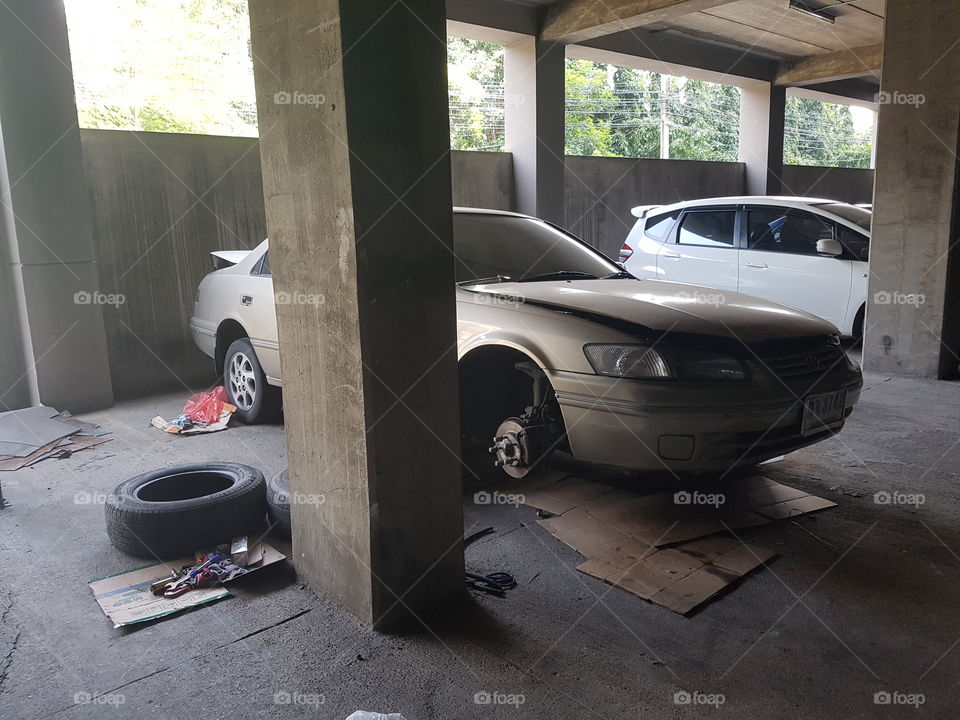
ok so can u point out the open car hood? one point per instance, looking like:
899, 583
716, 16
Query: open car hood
661, 307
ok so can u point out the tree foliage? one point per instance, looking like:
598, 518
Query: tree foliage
819, 133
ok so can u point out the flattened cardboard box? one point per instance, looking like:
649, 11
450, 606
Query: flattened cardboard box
126, 598
666, 552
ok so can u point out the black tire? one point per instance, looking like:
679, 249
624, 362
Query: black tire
246, 385
278, 502
174, 511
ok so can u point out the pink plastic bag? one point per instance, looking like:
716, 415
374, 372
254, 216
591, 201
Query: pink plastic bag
205, 407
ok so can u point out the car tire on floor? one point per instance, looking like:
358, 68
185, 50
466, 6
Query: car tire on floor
174, 511
246, 384
278, 502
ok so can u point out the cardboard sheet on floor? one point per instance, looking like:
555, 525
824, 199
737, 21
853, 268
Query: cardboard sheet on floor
126, 598
675, 554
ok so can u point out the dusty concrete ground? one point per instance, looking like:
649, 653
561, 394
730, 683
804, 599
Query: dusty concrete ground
861, 601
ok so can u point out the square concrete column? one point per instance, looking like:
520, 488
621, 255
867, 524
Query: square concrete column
535, 124
355, 145
913, 313
56, 351
762, 117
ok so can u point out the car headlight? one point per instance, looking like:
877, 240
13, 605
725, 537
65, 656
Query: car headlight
627, 361
642, 362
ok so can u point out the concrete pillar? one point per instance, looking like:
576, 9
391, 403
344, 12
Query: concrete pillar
354, 141
762, 116
56, 347
913, 311
534, 89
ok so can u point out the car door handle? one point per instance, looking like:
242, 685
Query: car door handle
759, 266
246, 299
671, 255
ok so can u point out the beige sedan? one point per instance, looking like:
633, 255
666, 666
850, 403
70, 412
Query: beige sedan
560, 348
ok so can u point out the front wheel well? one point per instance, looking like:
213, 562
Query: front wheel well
228, 332
492, 389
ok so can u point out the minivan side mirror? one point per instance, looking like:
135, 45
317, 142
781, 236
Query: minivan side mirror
829, 246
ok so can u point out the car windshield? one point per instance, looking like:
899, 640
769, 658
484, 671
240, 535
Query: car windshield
518, 248
850, 213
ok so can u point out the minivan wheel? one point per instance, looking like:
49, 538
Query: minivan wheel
246, 384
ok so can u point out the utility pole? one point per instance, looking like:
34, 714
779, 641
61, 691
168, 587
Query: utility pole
664, 117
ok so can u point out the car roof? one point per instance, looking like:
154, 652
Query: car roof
489, 211
788, 200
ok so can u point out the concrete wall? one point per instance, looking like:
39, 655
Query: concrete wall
161, 203
483, 180
851, 185
600, 192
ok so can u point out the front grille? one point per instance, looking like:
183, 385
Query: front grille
807, 360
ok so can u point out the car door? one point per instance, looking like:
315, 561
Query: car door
780, 262
702, 249
257, 307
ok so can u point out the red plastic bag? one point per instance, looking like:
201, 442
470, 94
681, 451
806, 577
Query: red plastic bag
205, 407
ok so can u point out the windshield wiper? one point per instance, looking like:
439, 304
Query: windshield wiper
559, 275
622, 274
484, 281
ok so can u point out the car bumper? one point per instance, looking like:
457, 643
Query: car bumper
714, 431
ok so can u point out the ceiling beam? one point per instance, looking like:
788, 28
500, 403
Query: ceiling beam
574, 21
839, 65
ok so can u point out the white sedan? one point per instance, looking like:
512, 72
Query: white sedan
806, 253
559, 347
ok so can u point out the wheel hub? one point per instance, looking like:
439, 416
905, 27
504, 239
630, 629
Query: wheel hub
243, 381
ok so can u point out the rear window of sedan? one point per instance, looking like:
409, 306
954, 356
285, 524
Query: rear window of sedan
519, 247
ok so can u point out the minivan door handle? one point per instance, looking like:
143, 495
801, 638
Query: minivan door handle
246, 299
759, 266
671, 255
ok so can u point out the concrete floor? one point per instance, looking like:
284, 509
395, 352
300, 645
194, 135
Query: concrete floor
861, 601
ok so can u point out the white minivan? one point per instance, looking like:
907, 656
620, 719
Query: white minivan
807, 253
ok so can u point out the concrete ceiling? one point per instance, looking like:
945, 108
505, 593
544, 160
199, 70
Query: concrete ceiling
770, 27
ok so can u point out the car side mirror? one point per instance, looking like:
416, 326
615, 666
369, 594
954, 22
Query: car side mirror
829, 246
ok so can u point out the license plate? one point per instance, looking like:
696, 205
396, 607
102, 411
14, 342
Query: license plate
821, 412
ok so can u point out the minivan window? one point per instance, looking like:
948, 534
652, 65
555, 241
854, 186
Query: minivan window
777, 229
710, 228
657, 226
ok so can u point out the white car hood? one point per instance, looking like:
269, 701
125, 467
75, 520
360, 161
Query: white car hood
669, 307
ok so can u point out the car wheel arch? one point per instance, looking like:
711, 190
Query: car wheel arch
228, 331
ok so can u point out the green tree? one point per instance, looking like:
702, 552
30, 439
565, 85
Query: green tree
823, 134
704, 121
475, 81
635, 122
590, 103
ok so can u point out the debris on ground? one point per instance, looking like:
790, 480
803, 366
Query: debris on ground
677, 550
33, 434
203, 412
154, 591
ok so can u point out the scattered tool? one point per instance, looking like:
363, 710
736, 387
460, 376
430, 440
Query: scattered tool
183, 584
